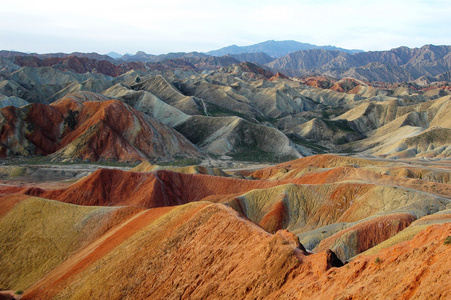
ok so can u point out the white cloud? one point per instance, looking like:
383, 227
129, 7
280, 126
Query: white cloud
201, 25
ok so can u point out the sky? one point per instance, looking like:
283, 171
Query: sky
156, 27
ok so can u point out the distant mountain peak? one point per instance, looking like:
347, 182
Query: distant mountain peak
114, 55
274, 48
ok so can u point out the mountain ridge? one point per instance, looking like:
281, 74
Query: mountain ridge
274, 48
429, 63
400, 64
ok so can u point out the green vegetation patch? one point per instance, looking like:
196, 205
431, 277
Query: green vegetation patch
219, 111
71, 120
44, 160
17, 172
303, 142
342, 140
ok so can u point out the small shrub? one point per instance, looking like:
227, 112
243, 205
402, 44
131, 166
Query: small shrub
342, 140
19, 292
377, 261
71, 119
447, 241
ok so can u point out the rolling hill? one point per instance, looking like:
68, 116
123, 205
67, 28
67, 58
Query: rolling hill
186, 233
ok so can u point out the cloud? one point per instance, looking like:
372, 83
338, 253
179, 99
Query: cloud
175, 25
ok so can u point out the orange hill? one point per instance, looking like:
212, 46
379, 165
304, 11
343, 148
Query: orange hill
200, 251
196, 236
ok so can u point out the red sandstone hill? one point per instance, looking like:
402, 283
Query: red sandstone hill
107, 187
318, 81
278, 76
75, 128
